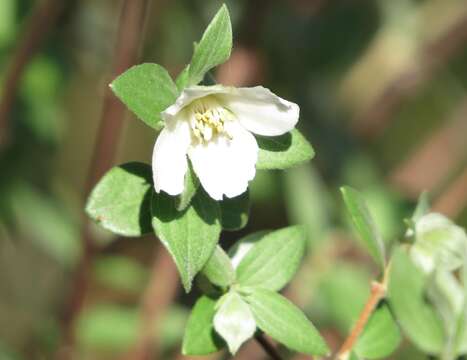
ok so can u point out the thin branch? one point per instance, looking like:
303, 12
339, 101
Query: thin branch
41, 21
267, 347
157, 297
378, 292
129, 40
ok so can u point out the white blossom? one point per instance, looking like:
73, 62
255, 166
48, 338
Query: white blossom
213, 126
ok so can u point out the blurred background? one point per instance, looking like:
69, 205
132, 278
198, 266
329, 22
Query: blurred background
382, 86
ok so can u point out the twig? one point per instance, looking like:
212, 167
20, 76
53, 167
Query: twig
157, 297
37, 27
378, 292
267, 346
129, 40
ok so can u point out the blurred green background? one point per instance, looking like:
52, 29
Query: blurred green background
382, 87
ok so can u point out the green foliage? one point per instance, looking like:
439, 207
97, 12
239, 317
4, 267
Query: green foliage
219, 269
407, 297
235, 212
189, 190
200, 337
380, 337
191, 235
284, 322
368, 233
273, 259
120, 202
146, 90
234, 320
182, 78
214, 47
282, 152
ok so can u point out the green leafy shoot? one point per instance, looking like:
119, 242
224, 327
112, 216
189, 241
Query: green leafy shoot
213, 49
190, 236
200, 337
273, 259
282, 152
284, 322
364, 224
120, 202
146, 90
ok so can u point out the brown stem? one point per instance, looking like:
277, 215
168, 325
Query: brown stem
129, 40
157, 297
37, 27
267, 347
378, 292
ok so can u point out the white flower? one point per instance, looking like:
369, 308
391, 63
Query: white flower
213, 126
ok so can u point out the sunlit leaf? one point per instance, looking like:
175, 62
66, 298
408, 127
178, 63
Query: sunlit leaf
120, 202
200, 337
273, 260
408, 301
191, 235
284, 322
368, 233
214, 47
146, 90
281, 152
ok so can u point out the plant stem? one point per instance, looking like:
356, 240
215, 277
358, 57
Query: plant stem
37, 27
378, 292
267, 347
129, 40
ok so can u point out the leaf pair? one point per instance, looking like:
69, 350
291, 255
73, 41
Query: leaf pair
260, 264
148, 89
124, 202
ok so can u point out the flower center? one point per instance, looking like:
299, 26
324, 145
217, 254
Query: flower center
208, 120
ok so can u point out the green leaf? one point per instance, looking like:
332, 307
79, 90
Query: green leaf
284, 322
381, 336
234, 321
273, 260
408, 301
189, 190
214, 48
182, 78
190, 236
235, 212
120, 202
369, 235
282, 152
146, 90
200, 337
219, 269
238, 251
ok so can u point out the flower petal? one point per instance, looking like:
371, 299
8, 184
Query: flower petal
223, 166
260, 111
169, 160
187, 96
